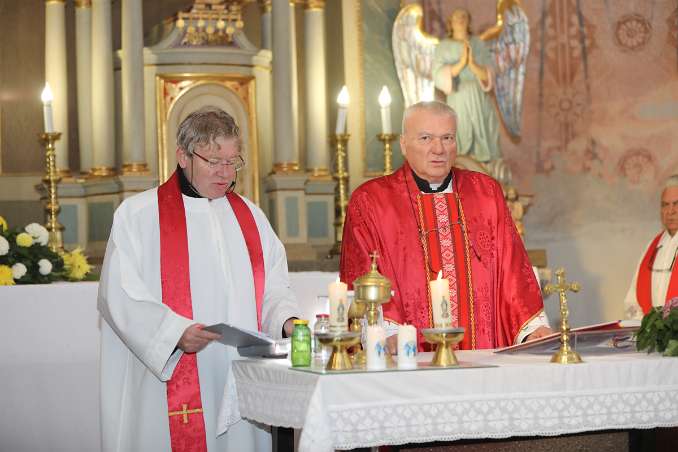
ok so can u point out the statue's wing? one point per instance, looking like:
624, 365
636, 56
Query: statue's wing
510, 47
413, 54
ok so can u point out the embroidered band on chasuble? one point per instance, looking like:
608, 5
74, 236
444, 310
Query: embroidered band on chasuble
186, 423
444, 239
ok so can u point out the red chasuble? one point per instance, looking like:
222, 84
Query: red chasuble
486, 256
644, 281
186, 423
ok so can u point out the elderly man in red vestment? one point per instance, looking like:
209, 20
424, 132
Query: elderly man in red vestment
429, 217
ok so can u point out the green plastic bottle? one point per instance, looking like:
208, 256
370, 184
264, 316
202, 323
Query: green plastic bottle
301, 344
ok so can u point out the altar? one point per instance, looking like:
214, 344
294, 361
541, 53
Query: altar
49, 357
520, 395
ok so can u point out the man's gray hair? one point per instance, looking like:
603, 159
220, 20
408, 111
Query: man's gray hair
433, 106
671, 181
205, 125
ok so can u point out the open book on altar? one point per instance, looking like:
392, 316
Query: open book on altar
605, 337
250, 343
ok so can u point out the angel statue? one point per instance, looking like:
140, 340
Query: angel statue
467, 68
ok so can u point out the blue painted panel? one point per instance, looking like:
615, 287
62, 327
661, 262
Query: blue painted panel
317, 219
68, 217
292, 216
100, 221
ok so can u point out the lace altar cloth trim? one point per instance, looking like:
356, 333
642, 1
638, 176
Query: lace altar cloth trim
377, 415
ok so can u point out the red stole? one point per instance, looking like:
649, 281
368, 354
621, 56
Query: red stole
446, 247
644, 281
186, 423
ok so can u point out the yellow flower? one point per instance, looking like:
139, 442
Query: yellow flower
3, 224
24, 240
75, 264
6, 278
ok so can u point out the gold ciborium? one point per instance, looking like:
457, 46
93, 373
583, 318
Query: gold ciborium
356, 312
564, 355
444, 339
373, 289
339, 359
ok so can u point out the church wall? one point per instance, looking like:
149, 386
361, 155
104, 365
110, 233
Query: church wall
599, 135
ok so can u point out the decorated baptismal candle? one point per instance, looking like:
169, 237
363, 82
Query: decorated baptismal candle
376, 348
440, 302
338, 306
407, 347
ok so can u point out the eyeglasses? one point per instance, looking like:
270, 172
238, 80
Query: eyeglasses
236, 163
662, 270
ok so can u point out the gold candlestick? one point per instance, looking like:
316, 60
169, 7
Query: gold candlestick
444, 339
565, 355
341, 191
386, 139
50, 181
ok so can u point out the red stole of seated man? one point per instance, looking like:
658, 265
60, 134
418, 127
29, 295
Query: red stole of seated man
445, 242
644, 281
186, 423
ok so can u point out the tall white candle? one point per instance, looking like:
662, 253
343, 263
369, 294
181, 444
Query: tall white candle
338, 306
376, 348
440, 302
407, 347
385, 103
342, 100
47, 98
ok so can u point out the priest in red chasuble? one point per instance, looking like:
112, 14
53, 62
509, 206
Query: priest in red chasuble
429, 217
181, 256
656, 280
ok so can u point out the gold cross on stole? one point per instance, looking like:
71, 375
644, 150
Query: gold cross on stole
185, 412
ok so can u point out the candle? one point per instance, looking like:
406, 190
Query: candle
440, 302
376, 348
385, 103
338, 306
407, 347
46, 97
342, 100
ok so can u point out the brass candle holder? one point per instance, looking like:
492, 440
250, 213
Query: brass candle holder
444, 340
356, 312
340, 342
565, 355
386, 139
341, 190
50, 181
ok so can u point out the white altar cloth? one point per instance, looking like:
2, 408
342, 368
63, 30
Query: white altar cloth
525, 396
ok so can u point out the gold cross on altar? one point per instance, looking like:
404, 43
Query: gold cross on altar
565, 355
561, 287
185, 412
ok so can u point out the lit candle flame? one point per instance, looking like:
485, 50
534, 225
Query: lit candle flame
46, 95
440, 274
343, 98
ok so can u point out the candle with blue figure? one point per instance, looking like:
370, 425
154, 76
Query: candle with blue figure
407, 347
376, 348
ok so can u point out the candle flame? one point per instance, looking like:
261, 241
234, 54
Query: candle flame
338, 280
343, 98
46, 95
440, 274
384, 97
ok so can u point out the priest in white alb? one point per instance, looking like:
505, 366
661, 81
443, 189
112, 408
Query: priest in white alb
187, 254
656, 279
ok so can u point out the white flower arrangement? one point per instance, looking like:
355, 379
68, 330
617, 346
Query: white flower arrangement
4, 246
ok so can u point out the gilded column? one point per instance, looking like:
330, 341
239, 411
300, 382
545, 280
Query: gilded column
56, 75
265, 24
317, 152
285, 97
83, 64
103, 118
132, 72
